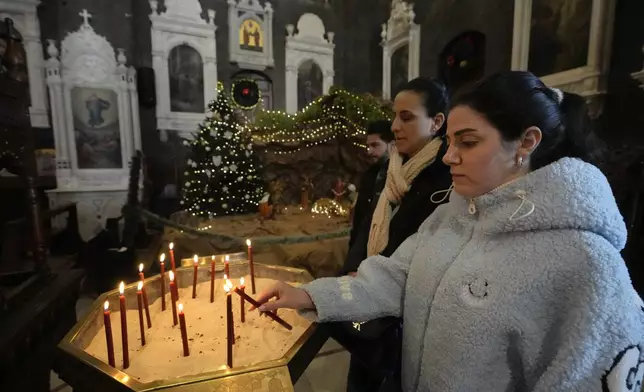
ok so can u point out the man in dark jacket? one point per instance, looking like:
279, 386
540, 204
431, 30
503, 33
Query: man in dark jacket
379, 137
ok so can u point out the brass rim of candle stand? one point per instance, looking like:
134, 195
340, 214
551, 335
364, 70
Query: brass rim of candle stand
67, 345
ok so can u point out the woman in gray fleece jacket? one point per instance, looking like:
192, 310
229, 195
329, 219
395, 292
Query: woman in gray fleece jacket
517, 283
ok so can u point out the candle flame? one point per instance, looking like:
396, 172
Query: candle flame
241, 281
171, 246
227, 288
213, 258
122, 288
230, 285
248, 243
196, 259
162, 257
225, 277
171, 276
106, 305
141, 267
227, 258
139, 286
180, 307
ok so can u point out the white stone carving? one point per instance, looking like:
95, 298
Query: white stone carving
261, 18
639, 75
23, 13
182, 24
589, 80
400, 30
309, 43
88, 64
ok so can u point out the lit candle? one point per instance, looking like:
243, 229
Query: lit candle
242, 310
231, 316
126, 354
162, 263
174, 269
184, 331
194, 277
108, 334
145, 297
173, 298
139, 301
226, 266
229, 331
251, 265
212, 280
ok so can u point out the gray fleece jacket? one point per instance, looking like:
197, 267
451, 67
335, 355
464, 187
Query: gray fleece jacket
521, 289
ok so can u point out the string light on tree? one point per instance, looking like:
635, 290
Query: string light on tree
223, 175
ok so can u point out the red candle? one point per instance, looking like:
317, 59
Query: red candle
126, 354
162, 262
194, 277
251, 265
174, 269
212, 280
226, 266
139, 300
231, 315
256, 304
184, 331
145, 297
241, 298
229, 331
108, 334
173, 298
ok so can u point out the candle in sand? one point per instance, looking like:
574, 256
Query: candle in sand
251, 266
229, 332
162, 280
108, 334
145, 297
171, 247
173, 298
231, 315
226, 266
212, 280
194, 276
241, 300
139, 301
123, 309
184, 331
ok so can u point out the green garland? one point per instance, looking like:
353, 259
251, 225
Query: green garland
361, 110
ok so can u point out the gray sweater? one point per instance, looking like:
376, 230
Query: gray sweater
521, 289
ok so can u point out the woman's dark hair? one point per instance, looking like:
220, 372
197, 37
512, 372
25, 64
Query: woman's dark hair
434, 94
381, 128
513, 101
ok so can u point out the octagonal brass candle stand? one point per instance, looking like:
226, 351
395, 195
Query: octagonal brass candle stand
84, 372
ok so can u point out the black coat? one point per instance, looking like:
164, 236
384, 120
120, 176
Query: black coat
415, 207
368, 192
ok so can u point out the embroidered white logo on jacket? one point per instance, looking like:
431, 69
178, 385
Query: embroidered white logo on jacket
345, 288
626, 373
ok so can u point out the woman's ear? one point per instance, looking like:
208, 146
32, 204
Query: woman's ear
439, 120
530, 141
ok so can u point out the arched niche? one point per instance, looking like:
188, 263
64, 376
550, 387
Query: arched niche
310, 83
184, 58
185, 71
250, 34
25, 17
309, 61
399, 35
462, 60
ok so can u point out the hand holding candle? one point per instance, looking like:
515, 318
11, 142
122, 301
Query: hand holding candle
139, 300
184, 331
173, 298
270, 314
162, 280
123, 309
108, 334
194, 277
251, 265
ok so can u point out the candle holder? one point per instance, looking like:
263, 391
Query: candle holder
84, 372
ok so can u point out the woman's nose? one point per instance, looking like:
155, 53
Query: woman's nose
450, 158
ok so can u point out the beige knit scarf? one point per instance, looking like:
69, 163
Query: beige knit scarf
399, 180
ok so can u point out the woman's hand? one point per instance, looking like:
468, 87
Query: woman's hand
286, 296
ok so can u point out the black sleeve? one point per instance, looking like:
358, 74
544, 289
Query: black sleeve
362, 207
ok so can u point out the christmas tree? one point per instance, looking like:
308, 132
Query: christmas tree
223, 173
